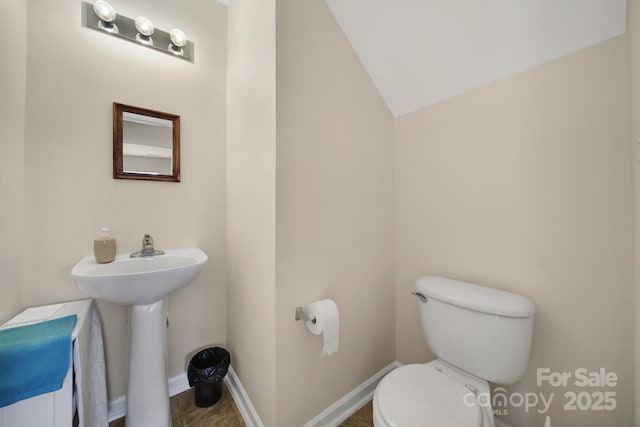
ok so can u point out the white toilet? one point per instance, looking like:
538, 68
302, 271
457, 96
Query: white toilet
479, 334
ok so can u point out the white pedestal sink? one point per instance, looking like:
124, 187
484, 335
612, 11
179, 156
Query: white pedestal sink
143, 283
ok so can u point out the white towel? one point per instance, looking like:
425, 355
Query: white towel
88, 364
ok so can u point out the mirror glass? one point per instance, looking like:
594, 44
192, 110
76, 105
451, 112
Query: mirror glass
146, 144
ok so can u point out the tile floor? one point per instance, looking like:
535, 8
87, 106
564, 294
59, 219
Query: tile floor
362, 418
185, 413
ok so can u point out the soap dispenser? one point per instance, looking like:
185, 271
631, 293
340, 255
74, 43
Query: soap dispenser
104, 247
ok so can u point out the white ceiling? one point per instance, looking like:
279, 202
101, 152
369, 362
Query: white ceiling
419, 52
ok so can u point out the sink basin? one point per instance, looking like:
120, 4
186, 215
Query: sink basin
139, 281
144, 284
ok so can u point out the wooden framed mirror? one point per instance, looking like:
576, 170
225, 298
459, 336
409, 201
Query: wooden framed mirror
146, 144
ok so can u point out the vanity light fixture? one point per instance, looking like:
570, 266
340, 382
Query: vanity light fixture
101, 16
145, 30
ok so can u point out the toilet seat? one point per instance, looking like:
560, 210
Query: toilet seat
420, 396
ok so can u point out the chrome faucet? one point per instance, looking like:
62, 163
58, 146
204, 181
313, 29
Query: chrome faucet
147, 248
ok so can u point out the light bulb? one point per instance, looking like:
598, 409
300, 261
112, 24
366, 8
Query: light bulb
104, 11
178, 38
144, 26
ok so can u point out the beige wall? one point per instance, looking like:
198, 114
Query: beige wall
525, 185
334, 212
251, 163
13, 31
73, 74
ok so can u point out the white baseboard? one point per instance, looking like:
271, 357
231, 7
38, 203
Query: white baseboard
118, 406
180, 383
351, 402
330, 417
241, 399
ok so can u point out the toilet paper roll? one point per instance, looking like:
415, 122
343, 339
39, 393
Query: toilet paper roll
327, 323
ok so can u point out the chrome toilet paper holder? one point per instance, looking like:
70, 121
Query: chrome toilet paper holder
303, 315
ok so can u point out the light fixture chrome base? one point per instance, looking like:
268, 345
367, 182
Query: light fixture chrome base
126, 29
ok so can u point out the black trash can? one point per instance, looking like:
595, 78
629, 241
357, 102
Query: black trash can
206, 371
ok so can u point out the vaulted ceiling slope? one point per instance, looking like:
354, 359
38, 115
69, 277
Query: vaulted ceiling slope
419, 52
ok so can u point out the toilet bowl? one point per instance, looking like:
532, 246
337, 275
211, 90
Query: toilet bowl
432, 394
480, 334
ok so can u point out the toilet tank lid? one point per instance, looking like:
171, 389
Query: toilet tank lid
475, 297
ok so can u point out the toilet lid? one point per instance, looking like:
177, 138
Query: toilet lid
418, 395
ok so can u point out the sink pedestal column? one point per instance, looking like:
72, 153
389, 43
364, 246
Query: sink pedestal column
147, 390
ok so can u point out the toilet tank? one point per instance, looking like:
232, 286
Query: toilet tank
483, 331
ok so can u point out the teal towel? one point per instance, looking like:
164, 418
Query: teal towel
34, 359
